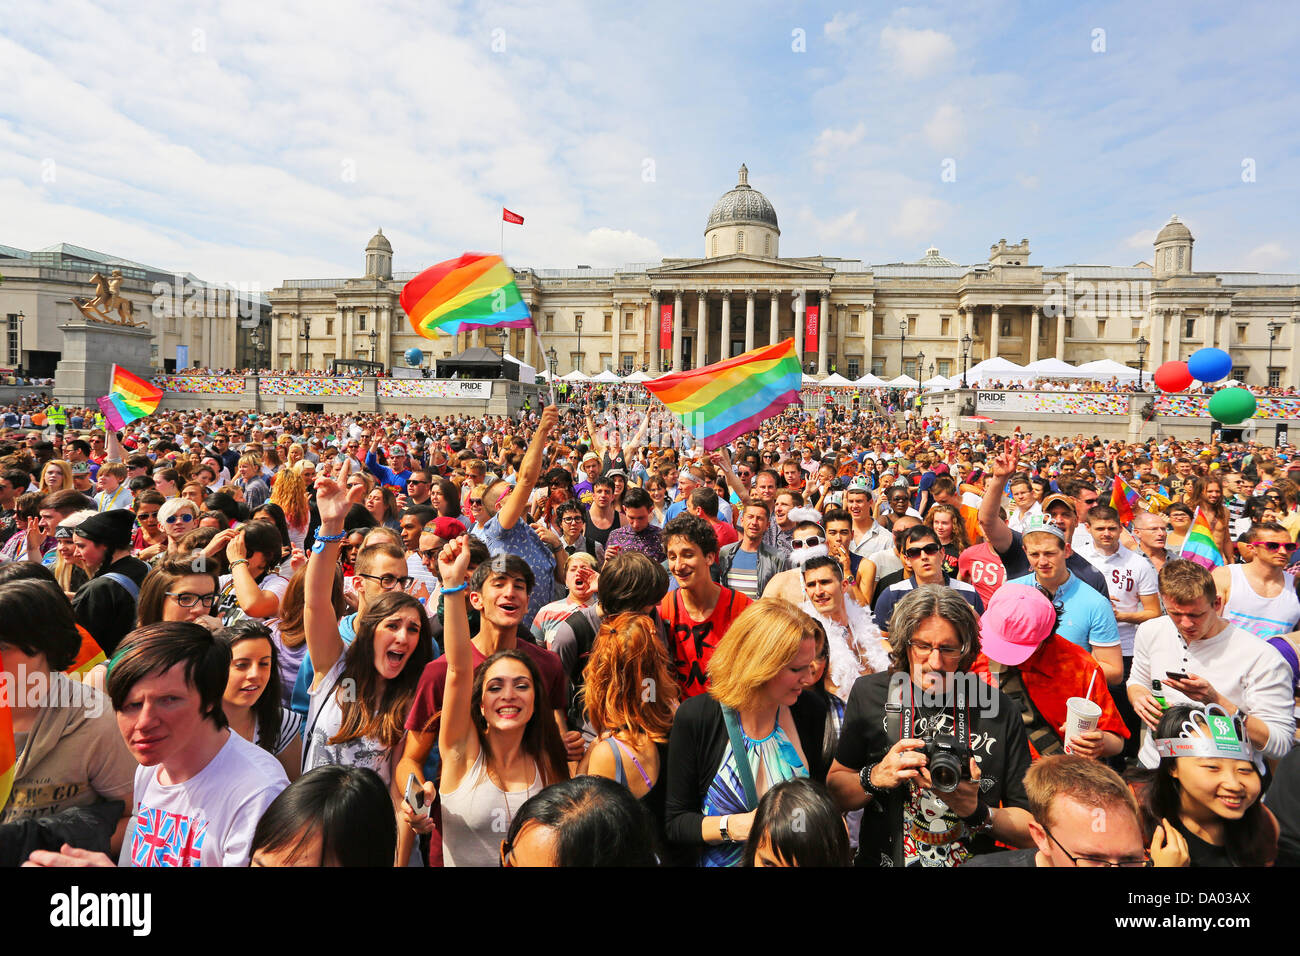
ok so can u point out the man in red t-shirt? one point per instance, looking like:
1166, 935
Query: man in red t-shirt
980, 566
699, 612
703, 503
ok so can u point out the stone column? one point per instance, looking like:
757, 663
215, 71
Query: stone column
385, 320
1293, 367
677, 331
841, 319
749, 319
1157, 337
995, 331
868, 333
1060, 335
725, 349
615, 336
1033, 333
1207, 333
796, 301
654, 334
774, 321
702, 331
1175, 334
823, 316
341, 316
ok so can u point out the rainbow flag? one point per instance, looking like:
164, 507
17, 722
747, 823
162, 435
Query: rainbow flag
1199, 544
723, 401
1124, 499
8, 752
129, 397
476, 291
88, 655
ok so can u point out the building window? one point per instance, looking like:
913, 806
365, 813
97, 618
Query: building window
550, 321
609, 317
909, 368
1180, 257
627, 362
853, 369
1069, 328
1241, 334
1101, 328
606, 362
878, 367
911, 325
577, 321
945, 323
945, 367
329, 325
628, 321
361, 321
1240, 372
715, 244
740, 240
855, 322
14, 352
877, 325
575, 360
1189, 328
1275, 378
767, 245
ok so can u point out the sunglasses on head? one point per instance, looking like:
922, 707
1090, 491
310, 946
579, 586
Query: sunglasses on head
920, 549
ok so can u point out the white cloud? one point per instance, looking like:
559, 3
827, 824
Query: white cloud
614, 247
834, 235
918, 53
920, 217
831, 145
1027, 181
946, 128
1269, 257
1142, 239
838, 27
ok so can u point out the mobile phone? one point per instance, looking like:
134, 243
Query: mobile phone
1175, 675
415, 796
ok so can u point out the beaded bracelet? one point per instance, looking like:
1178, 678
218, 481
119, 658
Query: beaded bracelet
331, 537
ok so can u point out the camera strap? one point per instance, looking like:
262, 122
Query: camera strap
961, 717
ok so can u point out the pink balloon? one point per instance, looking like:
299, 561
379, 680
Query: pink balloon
1172, 377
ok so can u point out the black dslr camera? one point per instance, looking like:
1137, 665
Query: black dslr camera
839, 483
948, 760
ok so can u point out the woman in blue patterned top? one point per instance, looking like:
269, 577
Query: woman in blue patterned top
758, 670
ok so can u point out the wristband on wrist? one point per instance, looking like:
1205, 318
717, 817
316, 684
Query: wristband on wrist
457, 589
238, 561
864, 778
331, 537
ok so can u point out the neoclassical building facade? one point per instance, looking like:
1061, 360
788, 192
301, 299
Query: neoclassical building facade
923, 318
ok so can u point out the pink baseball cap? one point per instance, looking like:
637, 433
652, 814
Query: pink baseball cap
1017, 619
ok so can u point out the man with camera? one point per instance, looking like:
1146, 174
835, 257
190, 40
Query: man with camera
936, 757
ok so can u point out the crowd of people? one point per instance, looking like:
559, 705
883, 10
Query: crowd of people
579, 637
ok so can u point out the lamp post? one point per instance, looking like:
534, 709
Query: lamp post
256, 339
374, 343
306, 335
18, 370
920, 363
931, 370
1273, 329
554, 360
902, 342
1142, 345
966, 341
577, 324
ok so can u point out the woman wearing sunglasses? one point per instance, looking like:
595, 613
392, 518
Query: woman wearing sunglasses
177, 517
1258, 595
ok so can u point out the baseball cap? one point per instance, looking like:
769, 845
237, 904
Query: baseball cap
590, 456
1038, 523
396, 450
445, 528
1016, 620
1057, 498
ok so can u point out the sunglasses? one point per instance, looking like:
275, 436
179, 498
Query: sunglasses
1287, 546
805, 542
920, 549
184, 518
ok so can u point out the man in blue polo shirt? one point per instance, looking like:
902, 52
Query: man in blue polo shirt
1086, 618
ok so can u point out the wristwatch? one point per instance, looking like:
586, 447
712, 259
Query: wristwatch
981, 821
722, 828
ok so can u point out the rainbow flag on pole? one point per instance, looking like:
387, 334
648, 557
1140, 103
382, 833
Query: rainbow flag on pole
129, 397
1199, 544
1124, 499
723, 401
476, 291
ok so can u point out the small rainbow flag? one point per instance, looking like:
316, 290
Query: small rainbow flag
89, 655
1199, 544
1124, 499
723, 401
476, 291
129, 397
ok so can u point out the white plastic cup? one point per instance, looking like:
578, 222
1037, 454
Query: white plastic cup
1081, 716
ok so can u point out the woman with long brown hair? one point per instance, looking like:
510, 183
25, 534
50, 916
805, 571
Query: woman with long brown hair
1207, 495
946, 522
290, 493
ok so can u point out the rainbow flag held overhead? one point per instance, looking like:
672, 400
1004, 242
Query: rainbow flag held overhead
1125, 500
1199, 544
723, 401
129, 398
476, 291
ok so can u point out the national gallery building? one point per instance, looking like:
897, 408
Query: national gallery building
923, 318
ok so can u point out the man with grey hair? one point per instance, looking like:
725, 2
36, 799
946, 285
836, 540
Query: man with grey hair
929, 713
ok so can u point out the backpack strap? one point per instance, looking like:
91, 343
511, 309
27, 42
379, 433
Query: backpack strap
132, 588
619, 775
743, 770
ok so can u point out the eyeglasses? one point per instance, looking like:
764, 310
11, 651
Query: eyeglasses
388, 582
184, 518
947, 653
1287, 546
1131, 862
920, 549
186, 599
806, 542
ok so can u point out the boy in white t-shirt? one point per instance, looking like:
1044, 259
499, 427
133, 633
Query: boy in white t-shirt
200, 789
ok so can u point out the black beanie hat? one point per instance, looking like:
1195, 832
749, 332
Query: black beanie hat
109, 528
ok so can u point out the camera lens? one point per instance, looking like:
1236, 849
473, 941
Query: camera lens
945, 772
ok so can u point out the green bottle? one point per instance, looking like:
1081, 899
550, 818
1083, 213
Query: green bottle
1158, 693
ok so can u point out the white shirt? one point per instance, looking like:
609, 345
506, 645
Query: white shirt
1016, 521
1249, 672
1129, 577
878, 538
209, 819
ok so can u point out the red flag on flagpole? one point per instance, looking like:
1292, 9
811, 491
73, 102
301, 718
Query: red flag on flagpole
509, 216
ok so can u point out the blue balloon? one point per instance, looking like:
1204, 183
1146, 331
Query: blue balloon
1210, 365
414, 357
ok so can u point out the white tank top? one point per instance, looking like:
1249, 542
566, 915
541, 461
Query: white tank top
1263, 616
476, 817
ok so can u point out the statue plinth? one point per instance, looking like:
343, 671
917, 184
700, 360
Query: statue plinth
90, 350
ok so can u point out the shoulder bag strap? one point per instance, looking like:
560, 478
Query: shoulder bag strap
132, 588
741, 755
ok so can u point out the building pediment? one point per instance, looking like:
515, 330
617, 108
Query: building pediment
739, 265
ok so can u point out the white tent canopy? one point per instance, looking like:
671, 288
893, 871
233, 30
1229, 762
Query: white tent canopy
1052, 368
936, 384
810, 379
835, 378
995, 369
870, 380
1103, 369
527, 374
607, 377
576, 375
903, 381
637, 376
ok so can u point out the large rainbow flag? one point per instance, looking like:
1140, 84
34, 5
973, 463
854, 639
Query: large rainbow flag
1124, 499
723, 401
476, 291
1199, 544
129, 397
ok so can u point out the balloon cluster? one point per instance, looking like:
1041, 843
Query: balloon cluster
1230, 406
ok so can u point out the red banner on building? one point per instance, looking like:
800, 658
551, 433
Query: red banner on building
810, 337
666, 326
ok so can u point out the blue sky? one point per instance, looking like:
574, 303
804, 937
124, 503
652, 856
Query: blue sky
253, 142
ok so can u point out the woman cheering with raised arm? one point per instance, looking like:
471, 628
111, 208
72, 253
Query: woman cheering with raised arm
498, 741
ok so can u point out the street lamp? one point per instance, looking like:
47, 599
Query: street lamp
920, 363
902, 342
1273, 329
554, 360
256, 338
374, 342
966, 341
19, 369
1142, 345
577, 324
306, 334
931, 370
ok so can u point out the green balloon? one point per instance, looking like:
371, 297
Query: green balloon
1232, 405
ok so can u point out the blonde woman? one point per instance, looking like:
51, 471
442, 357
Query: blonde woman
295, 454
55, 476
177, 518
291, 495
759, 669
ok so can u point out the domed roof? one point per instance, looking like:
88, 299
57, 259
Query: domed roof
379, 243
1174, 229
742, 204
932, 258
